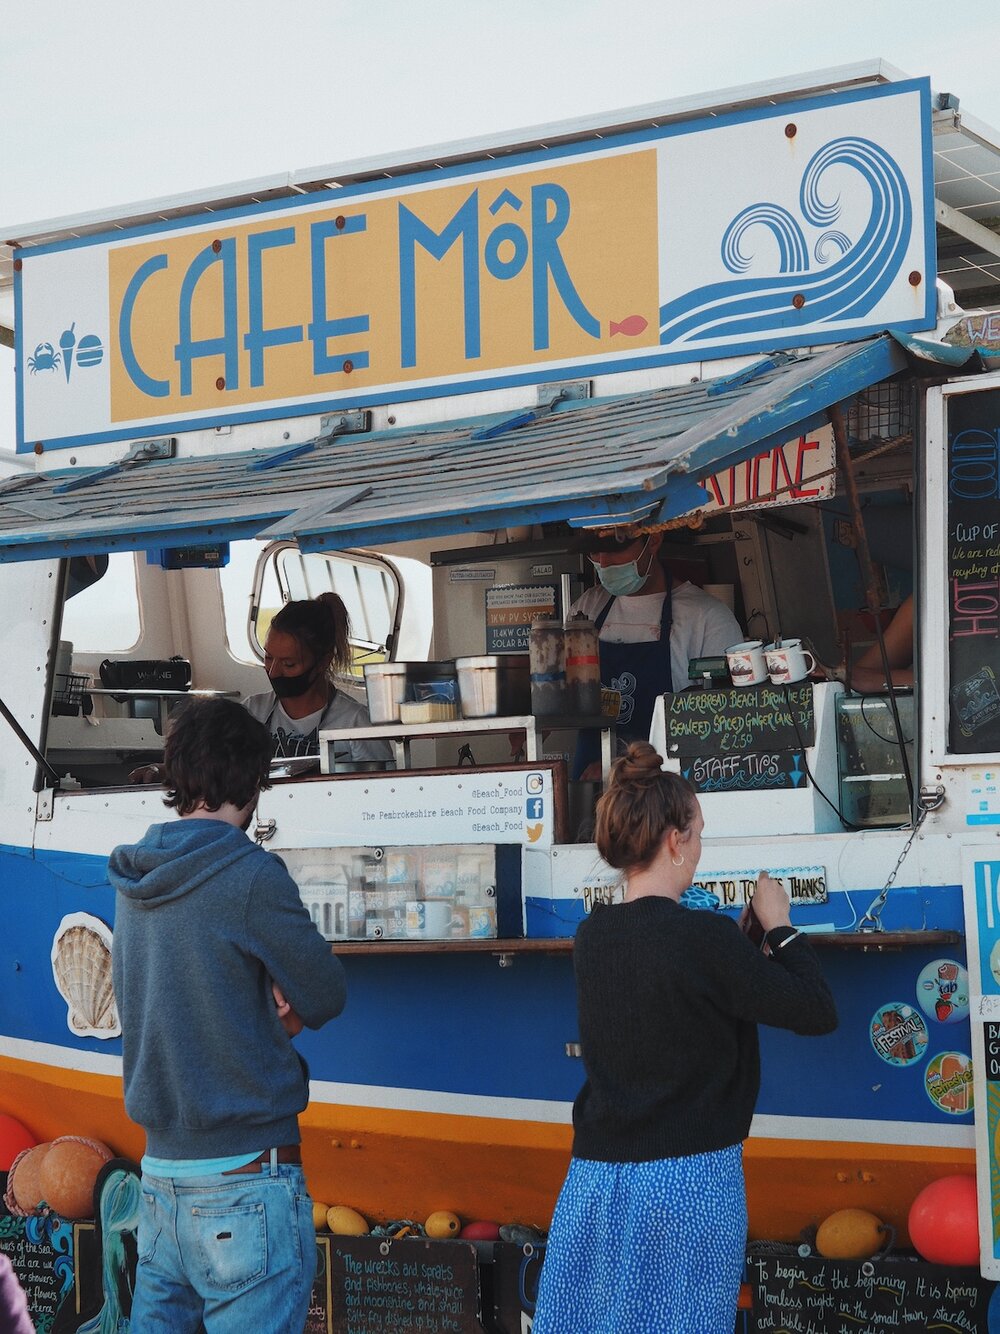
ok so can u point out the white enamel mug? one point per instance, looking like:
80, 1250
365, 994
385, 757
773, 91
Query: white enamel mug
438, 918
747, 666
788, 662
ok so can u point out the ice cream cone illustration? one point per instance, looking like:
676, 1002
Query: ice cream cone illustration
67, 341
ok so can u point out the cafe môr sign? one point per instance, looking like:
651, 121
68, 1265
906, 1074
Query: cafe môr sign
770, 226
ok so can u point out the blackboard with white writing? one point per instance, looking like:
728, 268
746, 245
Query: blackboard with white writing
816, 1296
40, 1251
409, 1286
740, 719
973, 570
748, 771
746, 739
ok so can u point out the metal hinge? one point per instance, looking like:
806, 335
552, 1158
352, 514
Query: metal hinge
353, 422
45, 804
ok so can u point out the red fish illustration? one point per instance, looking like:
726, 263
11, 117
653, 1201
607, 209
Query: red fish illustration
631, 326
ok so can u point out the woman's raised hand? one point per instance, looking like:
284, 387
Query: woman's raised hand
771, 902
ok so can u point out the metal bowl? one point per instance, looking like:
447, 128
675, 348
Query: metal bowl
498, 686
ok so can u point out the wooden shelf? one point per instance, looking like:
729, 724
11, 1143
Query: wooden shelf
874, 942
881, 941
509, 945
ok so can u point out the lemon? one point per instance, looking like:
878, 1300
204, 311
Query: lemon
443, 1224
346, 1222
319, 1215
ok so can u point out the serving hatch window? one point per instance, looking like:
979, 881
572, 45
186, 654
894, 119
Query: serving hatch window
368, 585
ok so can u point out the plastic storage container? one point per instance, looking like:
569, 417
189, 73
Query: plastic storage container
547, 653
583, 666
495, 687
873, 788
386, 684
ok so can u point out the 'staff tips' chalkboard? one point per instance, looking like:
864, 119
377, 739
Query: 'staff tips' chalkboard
742, 739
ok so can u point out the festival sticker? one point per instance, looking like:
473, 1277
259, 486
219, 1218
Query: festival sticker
898, 1033
943, 991
948, 1081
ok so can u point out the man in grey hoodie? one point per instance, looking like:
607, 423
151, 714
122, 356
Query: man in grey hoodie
216, 965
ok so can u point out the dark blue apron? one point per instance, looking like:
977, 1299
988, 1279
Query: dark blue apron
640, 672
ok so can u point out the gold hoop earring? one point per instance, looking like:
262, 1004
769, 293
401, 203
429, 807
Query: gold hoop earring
674, 861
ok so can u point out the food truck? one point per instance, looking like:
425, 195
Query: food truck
418, 383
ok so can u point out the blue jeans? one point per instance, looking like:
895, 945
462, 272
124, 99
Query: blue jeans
235, 1252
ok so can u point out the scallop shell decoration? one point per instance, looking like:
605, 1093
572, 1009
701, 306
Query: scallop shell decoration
81, 966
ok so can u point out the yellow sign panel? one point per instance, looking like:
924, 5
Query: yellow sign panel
432, 282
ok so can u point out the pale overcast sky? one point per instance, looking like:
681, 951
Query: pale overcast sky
114, 102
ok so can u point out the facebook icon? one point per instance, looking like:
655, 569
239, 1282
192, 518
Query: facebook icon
533, 808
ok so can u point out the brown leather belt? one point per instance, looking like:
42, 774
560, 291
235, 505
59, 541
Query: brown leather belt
287, 1153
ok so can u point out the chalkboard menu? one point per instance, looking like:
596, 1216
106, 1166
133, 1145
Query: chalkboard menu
745, 739
318, 1319
974, 572
851, 1297
41, 1253
410, 1286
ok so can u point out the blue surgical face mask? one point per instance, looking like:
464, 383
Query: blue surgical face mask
622, 580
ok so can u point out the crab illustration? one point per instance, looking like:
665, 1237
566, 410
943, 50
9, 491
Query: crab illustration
46, 358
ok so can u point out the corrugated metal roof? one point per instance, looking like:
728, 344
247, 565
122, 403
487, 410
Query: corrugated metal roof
587, 462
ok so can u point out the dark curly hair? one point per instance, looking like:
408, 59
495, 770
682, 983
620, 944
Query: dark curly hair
321, 625
214, 753
641, 804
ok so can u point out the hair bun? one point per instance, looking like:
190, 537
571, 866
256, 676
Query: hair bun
640, 762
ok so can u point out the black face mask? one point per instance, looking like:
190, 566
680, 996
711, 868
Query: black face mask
288, 687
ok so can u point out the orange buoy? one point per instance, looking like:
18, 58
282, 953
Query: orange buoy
24, 1188
14, 1138
68, 1174
944, 1222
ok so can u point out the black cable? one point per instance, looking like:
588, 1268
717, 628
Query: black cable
857, 828
889, 740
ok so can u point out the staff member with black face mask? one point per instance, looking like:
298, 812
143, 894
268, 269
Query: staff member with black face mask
649, 628
307, 640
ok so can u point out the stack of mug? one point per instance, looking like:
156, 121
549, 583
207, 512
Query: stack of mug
783, 662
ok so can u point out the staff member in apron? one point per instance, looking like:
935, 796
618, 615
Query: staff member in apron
649, 628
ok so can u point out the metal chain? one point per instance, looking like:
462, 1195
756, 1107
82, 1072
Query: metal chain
871, 917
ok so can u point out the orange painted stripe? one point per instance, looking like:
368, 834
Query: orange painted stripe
399, 1164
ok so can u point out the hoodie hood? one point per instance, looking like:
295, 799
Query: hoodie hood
174, 858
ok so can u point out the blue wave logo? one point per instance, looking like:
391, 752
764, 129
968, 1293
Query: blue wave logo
849, 277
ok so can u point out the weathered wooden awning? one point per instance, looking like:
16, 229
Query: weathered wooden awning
587, 462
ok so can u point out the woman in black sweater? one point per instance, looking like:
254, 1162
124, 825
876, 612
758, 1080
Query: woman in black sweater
649, 1232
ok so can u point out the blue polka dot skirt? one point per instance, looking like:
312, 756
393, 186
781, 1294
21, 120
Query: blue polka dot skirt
646, 1248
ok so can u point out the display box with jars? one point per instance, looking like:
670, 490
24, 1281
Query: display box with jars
445, 892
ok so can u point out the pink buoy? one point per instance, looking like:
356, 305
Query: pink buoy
944, 1222
14, 1139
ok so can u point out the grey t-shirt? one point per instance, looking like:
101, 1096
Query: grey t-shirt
300, 736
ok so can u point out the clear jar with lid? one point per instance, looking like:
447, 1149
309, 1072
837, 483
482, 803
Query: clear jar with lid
583, 665
547, 653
